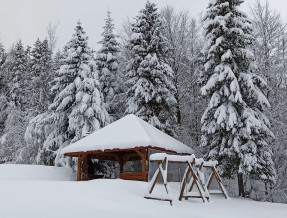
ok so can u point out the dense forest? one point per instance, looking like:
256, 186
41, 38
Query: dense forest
217, 82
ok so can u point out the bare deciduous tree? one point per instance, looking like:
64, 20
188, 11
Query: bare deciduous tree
52, 36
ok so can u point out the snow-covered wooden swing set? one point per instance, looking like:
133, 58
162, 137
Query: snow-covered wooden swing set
193, 176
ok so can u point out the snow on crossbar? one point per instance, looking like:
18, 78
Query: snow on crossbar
171, 158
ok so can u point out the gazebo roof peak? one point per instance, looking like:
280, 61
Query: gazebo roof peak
127, 133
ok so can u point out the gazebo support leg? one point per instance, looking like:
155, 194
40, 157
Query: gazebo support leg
144, 167
121, 163
143, 155
79, 171
121, 166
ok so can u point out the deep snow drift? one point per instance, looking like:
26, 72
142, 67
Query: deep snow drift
35, 172
109, 198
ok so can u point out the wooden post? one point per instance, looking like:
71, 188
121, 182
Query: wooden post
84, 168
79, 173
121, 166
143, 155
120, 160
144, 166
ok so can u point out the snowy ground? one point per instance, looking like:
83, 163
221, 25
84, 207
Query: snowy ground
45, 197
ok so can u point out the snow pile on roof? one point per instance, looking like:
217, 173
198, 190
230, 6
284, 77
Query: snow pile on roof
128, 132
35, 172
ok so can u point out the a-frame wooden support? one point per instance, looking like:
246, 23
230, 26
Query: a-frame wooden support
214, 174
198, 167
161, 170
194, 180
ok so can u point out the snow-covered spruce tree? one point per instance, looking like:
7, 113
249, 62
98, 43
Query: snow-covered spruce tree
2, 55
3, 88
41, 71
16, 106
12, 142
151, 81
107, 64
235, 130
77, 109
18, 76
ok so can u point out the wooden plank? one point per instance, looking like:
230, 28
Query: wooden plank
186, 174
157, 174
160, 199
210, 180
131, 176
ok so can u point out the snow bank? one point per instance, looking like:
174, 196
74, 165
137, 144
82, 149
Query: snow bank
117, 198
35, 172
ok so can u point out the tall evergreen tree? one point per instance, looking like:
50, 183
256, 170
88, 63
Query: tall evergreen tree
16, 105
234, 127
151, 81
77, 109
18, 76
107, 64
42, 73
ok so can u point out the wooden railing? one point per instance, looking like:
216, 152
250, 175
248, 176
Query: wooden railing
133, 176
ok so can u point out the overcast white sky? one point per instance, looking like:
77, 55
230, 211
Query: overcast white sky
28, 19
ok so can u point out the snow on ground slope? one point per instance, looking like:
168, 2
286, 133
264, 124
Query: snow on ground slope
34, 172
115, 198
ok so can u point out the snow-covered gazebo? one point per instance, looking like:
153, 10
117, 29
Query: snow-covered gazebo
128, 139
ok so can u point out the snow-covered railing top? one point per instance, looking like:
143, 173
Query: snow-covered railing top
127, 133
182, 159
172, 158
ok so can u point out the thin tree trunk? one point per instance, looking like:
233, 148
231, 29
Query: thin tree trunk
240, 185
266, 189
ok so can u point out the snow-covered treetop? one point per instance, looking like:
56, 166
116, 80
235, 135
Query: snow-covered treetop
147, 34
107, 63
227, 29
109, 43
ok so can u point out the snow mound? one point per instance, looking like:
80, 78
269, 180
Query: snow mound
35, 172
117, 198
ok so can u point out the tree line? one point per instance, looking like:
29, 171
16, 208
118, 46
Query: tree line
216, 83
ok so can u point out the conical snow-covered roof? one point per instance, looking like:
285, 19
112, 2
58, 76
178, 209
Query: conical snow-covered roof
127, 133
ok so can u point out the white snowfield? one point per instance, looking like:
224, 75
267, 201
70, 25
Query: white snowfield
127, 132
29, 194
34, 172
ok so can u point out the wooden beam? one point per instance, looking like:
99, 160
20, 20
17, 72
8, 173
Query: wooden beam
140, 153
120, 161
144, 157
75, 154
79, 169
